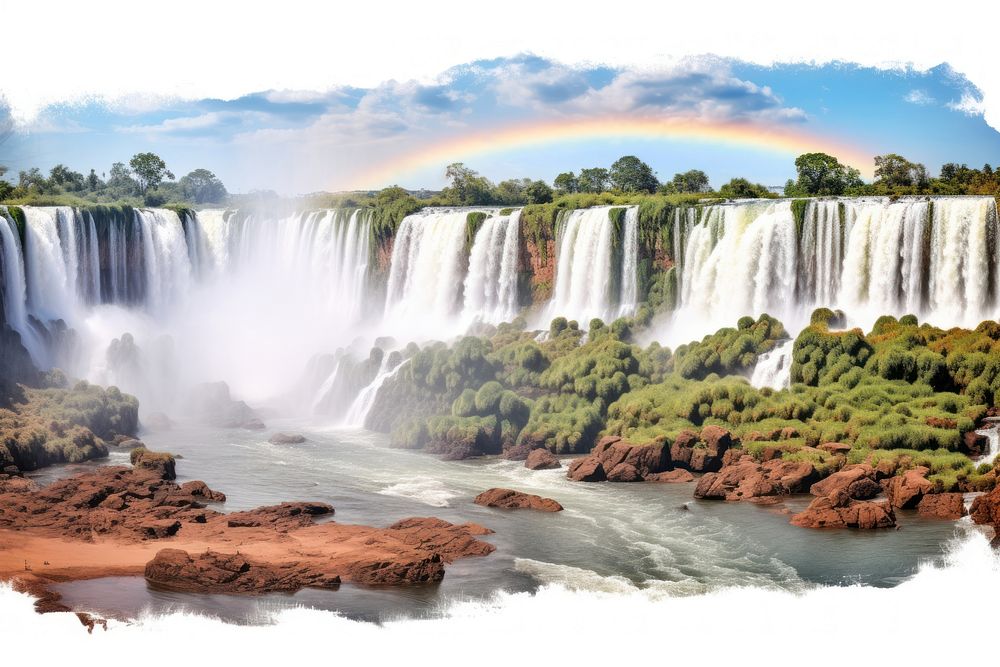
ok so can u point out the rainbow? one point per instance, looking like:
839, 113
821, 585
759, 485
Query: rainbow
787, 140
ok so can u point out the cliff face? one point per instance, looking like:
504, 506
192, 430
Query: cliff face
538, 269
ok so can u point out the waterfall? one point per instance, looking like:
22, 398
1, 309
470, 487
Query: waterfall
933, 257
12, 275
739, 259
428, 268
584, 276
168, 267
362, 404
774, 368
490, 293
629, 298
993, 435
50, 268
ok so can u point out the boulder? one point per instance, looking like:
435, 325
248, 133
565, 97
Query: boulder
212, 572
282, 517
624, 472
974, 444
159, 463
510, 499
704, 453
287, 439
748, 479
986, 508
199, 489
837, 448
905, 491
942, 506
676, 476
586, 469
541, 459
826, 512
853, 481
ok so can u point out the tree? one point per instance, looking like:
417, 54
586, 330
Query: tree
895, 171
741, 188
467, 186
149, 170
566, 183
538, 192
693, 180
203, 187
594, 179
32, 181
511, 192
630, 174
66, 178
5, 187
94, 182
822, 174
120, 181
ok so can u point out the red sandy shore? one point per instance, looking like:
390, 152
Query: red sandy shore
131, 521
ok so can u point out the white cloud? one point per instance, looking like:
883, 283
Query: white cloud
289, 46
919, 97
969, 104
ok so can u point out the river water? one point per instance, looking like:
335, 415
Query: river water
615, 538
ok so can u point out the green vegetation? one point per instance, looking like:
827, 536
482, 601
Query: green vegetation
145, 181
903, 391
60, 424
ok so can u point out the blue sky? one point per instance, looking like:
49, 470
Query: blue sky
296, 141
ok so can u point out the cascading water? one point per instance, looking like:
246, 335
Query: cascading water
362, 404
932, 257
774, 368
491, 283
585, 281
629, 298
427, 270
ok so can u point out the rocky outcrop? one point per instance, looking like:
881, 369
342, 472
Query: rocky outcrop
700, 453
541, 459
985, 509
287, 439
167, 528
615, 460
211, 572
749, 479
678, 476
158, 463
281, 518
198, 489
827, 512
510, 499
942, 506
854, 482
131, 504
905, 491
587, 469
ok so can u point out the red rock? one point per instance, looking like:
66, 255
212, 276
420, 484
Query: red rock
824, 512
160, 463
586, 469
942, 506
624, 472
835, 448
211, 572
839, 483
156, 529
747, 479
450, 541
986, 508
541, 459
676, 476
282, 517
905, 491
394, 572
199, 489
510, 499
974, 444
